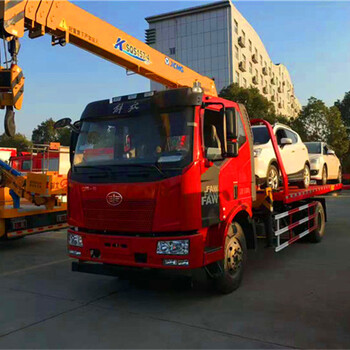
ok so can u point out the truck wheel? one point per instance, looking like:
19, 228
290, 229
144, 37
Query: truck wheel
272, 178
323, 180
320, 221
305, 183
232, 266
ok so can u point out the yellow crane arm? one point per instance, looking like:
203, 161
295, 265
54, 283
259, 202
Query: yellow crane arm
68, 23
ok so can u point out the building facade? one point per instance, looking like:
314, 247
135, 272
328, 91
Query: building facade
217, 41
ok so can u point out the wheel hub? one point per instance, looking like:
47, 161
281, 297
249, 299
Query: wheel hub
273, 179
234, 255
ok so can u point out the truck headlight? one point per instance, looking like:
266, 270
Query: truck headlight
257, 152
75, 240
177, 247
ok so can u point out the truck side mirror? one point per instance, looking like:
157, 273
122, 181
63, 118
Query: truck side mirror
73, 145
231, 133
62, 123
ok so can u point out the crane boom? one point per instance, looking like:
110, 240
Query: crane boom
68, 23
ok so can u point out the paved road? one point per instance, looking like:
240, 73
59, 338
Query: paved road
299, 298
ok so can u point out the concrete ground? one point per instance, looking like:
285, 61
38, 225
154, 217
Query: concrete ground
298, 298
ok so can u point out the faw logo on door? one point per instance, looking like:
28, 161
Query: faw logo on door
114, 198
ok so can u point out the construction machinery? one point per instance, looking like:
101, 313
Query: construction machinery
35, 200
164, 179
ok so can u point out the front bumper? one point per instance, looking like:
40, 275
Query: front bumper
132, 251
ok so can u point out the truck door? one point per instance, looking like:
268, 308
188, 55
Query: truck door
218, 180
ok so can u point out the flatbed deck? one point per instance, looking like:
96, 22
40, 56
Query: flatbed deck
294, 194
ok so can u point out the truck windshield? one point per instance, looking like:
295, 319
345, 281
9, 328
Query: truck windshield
145, 138
313, 147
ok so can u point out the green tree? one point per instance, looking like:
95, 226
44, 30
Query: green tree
312, 123
64, 136
344, 107
257, 105
19, 141
45, 133
337, 137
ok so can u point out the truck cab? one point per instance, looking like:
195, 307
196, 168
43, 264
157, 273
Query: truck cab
158, 178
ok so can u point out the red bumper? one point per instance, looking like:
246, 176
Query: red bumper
135, 251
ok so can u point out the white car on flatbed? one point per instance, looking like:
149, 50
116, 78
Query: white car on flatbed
293, 152
325, 165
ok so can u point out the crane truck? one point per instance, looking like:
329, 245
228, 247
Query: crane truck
160, 180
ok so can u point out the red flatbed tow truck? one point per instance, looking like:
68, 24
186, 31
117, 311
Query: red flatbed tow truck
165, 179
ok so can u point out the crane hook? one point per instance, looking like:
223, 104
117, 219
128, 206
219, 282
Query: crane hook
10, 125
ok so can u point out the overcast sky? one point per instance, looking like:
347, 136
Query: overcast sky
311, 38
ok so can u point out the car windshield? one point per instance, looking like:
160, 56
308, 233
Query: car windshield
139, 138
313, 147
261, 135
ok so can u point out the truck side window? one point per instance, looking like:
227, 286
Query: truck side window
242, 138
213, 131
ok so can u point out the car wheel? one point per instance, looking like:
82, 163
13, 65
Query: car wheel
339, 179
232, 266
272, 178
323, 180
305, 183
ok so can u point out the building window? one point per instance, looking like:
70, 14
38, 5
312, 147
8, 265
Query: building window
250, 46
244, 82
261, 60
172, 51
256, 73
250, 68
236, 26
270, 72
243, 36
262, 80
237, 78
243, 58
256, 53
236, 53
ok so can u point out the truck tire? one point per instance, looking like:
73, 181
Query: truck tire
323, 180
233, 264
320, 220
305, 183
